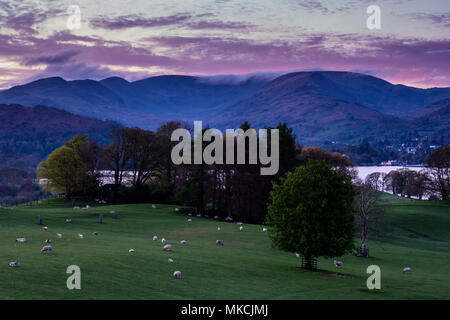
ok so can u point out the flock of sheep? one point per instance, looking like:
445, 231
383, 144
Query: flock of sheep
166, 247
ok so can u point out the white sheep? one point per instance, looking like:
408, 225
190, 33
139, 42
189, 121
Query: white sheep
297, 255
131, 250
88, 206
48, 241
153, 206
68, 220
45, 228
95, 233
338, 264
46, 248
218, 228
177, 274
80, 236
76, 207
170, 260
199, 215
239, 223
155, 238
177, 209
219, 242
163, 240
167, 247
241, 228
183, 241
264, 229
14, 263
189, 220
59, 235
190, 214
216, 217
21, 240
407, 269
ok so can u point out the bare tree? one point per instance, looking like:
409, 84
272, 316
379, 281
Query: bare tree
369, 213
438, 164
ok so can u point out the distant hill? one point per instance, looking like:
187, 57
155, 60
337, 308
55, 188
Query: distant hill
28, 135
321, 106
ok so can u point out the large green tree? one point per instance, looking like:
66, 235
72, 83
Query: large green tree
311, 212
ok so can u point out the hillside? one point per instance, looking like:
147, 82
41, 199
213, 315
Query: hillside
321, 106
246, 267
27, 135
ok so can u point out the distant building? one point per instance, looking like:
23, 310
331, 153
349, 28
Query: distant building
411, 150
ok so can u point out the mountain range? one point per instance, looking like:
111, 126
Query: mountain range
321, 106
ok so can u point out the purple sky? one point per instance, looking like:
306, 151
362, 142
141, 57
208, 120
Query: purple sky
137, 39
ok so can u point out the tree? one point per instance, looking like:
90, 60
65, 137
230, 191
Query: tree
438, 164
373, 180
368, 214
311, 212
65, 171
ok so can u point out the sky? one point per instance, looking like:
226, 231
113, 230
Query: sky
138, 39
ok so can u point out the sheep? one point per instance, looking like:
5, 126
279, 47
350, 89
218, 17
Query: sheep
167, 247
48, 241
14, 263
241, 228
45, 228
407, 269
190, 214
218, 228
177, 274
88, 206
95, 233
76, 207
46, 248
216, 217
177, 209
112, 211
189, 220
153, 206
297, 255
39, 202
199, 215
183, 241
170, 260
264, 229
131, 251
163, 240
219, 242
239, 223
338, 264
59, 235
155, 238
68, 220
21, 240
80, 236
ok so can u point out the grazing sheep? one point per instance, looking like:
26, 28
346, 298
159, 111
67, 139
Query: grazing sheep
21, 240
153, 206
216, 217
177, 274
76, 207
39, 202
177, 209
239, 223
59, 235
190, 214
46, 248
14, 263
155, 238
218, 228
338, 264
199, 215
264, 229
407, 269
68, 220
183, 241
297, 255
189, 220
167, 247
170, 260
88, 206
80, 236
219, 242
113, 211
95, 233
48, 241
45, 228
241, 228
163, 240
131, 250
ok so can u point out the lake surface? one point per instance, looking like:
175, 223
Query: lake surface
363, 172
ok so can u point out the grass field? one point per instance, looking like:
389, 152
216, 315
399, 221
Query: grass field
246, 267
